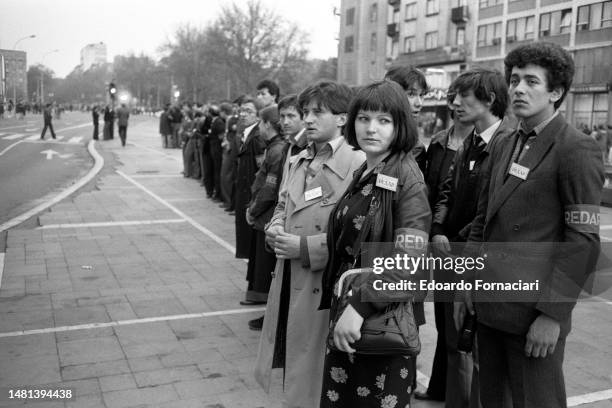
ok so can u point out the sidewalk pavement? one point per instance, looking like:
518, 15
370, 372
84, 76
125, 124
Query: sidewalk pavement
159, 261
158, 248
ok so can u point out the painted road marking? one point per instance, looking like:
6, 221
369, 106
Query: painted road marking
10, 147
2, 134
13, 137
156, 175
113, 223
99, 163
129, 322
76, 139
32, 130
181, 214
588, 398
1, 266
33, 137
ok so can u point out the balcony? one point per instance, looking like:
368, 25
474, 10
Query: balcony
395, 3
437, 56
393, 30
459, 15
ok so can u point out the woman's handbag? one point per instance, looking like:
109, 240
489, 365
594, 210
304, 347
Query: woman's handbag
391, 331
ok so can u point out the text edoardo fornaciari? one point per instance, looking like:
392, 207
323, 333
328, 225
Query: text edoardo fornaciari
459, 265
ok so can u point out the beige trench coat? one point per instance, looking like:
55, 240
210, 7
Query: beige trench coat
307, 327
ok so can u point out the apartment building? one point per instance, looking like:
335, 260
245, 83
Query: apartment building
13, 77
584, 27
434, 35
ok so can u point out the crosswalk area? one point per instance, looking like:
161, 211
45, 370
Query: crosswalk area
35, 137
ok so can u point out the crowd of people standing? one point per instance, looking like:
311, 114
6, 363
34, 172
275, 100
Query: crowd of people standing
313, 177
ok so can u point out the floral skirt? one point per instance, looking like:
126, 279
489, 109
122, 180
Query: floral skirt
365, 381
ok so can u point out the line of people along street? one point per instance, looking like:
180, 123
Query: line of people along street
315, 178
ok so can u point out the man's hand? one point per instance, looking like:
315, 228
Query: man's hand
348, 329
250, 220
542, 337
287, 246
463, 304
271, 233
441, 244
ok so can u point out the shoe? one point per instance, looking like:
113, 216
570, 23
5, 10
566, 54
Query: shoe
231, 213
252, 302
424, 396
229, 209
217, 199
256, 324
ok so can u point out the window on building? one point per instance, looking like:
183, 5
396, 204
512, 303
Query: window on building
460, 36
489, 3
489, 34
349, 45
411, 11
545, 24
396, 16
566, 21
373, 42
594, 16
373, 13
529, 27
590, 109
409, 44
350, 16
606, 19
432, 7
482, 36
511, 31
394, 49
583, 18
431, 40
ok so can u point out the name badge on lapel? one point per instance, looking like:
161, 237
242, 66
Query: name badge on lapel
519, 171
312, 194
472, 163
386, 182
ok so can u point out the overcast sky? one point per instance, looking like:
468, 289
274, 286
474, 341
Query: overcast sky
137, 25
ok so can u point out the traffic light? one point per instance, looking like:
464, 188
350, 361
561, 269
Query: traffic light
112, 90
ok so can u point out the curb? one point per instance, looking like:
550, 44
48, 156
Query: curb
98, 164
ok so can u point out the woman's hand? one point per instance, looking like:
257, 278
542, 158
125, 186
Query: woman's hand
348, 329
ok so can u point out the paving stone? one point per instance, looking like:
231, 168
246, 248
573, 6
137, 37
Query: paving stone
140, 396
80, 351
162, 348
80, 315
207, 387
25, 303
16, 347
149, 363
30, 371
118, 382
167, 376
94, 370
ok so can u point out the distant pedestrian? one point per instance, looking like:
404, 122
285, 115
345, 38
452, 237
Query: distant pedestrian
123, 114
109, 118
1, 110
164, 126
48, 118
95, 115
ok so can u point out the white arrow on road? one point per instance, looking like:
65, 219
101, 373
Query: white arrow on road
49, 153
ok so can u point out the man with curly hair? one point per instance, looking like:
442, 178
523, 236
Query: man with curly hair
544, 190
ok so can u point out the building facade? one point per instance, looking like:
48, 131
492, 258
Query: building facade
93, 54
362, 44
445, 37
584, 27
13, 75
434, 35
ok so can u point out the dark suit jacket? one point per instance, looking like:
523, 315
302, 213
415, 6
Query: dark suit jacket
565, 175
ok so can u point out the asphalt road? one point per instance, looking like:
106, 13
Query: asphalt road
32, 170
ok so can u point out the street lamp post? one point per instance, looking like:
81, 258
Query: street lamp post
15, 79
42, 73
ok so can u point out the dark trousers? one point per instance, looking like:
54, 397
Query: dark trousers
510, 379
462, 369
227, 178
189, 162
437, 382
216, 155
123, 134
95, 131
50, 126
209, 174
